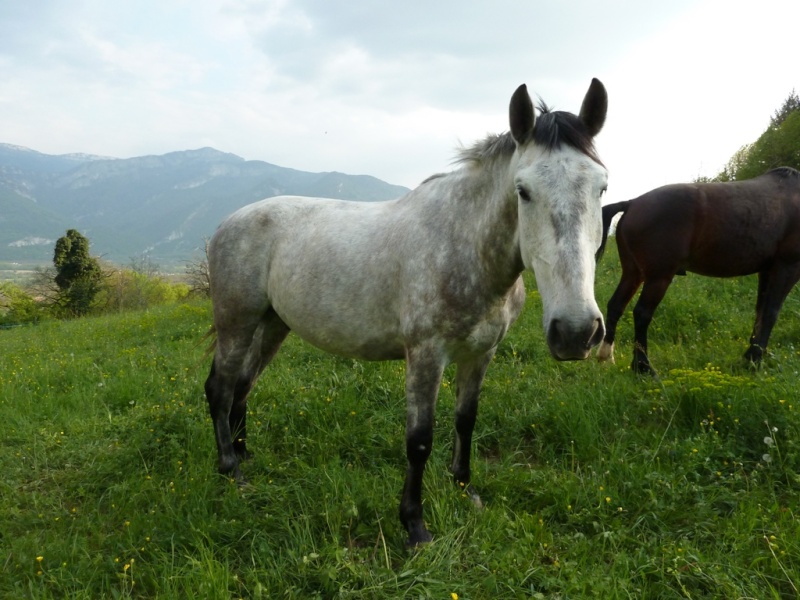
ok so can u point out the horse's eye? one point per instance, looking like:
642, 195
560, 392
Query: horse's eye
603, 192
523, 194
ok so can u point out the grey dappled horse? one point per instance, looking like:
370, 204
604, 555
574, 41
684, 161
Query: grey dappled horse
433, 278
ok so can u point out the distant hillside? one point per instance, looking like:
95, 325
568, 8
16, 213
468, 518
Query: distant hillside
160, 205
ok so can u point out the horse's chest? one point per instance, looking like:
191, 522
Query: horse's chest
486, 335
481, 329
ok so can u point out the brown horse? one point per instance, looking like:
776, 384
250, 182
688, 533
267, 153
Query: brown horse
713, 229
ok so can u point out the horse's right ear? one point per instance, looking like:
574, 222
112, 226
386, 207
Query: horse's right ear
521, 116
594, 107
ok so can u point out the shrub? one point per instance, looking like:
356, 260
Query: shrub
16, 306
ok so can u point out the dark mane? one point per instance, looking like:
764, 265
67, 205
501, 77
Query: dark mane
489, 148
432, 177
552, 129
784, 172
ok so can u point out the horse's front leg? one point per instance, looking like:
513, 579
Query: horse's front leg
424, 368
652, 293
626, 289
469, 379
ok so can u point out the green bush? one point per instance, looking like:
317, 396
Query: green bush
17, 307
125, 289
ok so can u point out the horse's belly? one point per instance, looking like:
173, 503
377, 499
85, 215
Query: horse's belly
729, 268
352, 338
726, 260
356, 335
362, 348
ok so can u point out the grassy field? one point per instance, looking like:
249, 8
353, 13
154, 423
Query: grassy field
597, 483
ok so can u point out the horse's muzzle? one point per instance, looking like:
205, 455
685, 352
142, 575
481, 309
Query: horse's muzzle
571, 341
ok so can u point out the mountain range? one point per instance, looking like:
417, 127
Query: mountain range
161, 206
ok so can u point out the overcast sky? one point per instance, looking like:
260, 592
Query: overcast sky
391, 88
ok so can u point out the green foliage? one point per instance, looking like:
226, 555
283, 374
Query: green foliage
16, 306
126, 289
78, 274
778, 146
118, 290
736, 163
789, 106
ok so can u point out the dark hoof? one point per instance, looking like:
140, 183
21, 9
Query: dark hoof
418, 539
244, 455
754, 354
231, 471
240, 481
418, 534
643, 368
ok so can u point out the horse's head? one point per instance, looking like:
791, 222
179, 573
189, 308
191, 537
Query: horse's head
559, 182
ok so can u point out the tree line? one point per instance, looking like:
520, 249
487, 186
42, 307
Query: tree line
778, 146
79, 284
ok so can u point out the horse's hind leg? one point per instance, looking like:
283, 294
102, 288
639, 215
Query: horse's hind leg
242, 353
266, 343
469, 379
220, 390
773, 287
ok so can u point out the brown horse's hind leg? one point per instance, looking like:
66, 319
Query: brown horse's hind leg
773, 287
469, 379
652, 293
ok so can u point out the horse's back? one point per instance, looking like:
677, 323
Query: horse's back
715, 229
265, 229
322, 265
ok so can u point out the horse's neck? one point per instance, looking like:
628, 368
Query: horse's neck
495, 227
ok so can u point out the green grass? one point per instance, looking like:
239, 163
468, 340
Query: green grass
597, 483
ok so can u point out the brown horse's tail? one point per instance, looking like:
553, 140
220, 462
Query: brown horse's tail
609, 212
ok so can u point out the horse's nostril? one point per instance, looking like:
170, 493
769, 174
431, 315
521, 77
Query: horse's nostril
554, 335
599, 333
574, 342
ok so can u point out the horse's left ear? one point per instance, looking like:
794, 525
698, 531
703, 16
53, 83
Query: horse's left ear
594, 107
521, 116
